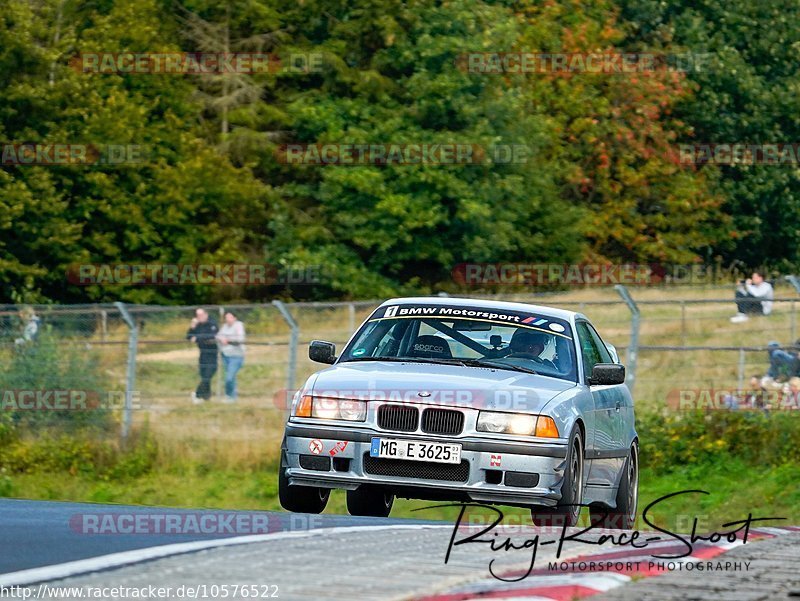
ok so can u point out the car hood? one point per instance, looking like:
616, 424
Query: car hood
437, 384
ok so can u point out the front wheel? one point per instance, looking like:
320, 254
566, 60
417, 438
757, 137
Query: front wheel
300, 499
369, 502
623, 516
568, 509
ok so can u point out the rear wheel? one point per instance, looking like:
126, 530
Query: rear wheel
623, 516
568, 509
370, 502
300, 499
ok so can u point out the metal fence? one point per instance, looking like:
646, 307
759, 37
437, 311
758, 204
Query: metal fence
137, 358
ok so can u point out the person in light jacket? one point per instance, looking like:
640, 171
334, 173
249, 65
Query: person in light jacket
30, 331
753, 297
231, 338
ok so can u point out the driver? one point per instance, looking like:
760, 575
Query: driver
527, 344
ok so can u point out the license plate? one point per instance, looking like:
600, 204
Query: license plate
415, 450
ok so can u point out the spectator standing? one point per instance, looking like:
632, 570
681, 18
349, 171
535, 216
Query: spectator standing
231, 337
753, 297
203, 332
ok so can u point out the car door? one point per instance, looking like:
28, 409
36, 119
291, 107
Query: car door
604, 454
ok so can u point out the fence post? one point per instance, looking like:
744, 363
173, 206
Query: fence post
740, 370
794, 281
103, 325
220, 375
351, 314
130, 381
633, 347
683, 323
295, 331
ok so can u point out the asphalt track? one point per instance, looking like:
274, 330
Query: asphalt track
44, 545
41, 533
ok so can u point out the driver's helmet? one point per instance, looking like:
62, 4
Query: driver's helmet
522, 339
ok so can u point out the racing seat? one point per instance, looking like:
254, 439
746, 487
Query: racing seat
430, 347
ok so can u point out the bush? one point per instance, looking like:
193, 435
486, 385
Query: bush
8, 430
756, 438
54, 364
78, 455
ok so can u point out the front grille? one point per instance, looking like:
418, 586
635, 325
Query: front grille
398, 417
315, 462
521, 479
442, 421
422, 470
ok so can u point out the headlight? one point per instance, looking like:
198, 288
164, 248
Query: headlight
328, 408
522, 424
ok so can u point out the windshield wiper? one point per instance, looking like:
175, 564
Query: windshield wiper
461, 362
409, 360
498, 364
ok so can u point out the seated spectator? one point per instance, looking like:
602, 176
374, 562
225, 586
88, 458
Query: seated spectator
30, 331
730, 402
753, 297
791, 397
756, 395
782, 364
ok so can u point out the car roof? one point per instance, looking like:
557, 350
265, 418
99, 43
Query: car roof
485, 304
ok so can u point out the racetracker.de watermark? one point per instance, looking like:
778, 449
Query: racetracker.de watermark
401, 154
29, 153
726, 399
213, 274
189, 523
65, 400
501, 400
740, 153
605, 63
197, 63
584, 274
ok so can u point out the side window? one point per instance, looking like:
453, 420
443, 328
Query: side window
590, 353
605, 355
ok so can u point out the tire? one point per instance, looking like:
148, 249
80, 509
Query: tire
300, 499
623, 516
568, 509
369, 502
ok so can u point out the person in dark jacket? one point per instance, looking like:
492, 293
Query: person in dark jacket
203, 332
782, 364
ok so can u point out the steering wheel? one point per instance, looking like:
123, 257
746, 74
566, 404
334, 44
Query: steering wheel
535, 358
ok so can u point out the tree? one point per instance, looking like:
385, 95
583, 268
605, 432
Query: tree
391, 78
746, 93
183, 203
613, 135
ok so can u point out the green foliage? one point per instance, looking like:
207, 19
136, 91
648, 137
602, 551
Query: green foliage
48, 365
747, 92
78, 454
600, 182
8, 430
185, 203
676, 440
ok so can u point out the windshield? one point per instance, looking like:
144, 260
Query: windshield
468, 336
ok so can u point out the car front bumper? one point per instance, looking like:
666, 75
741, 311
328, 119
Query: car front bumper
496, 471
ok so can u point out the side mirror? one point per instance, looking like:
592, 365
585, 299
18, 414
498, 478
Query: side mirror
613, 351
322, 352
607, 374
